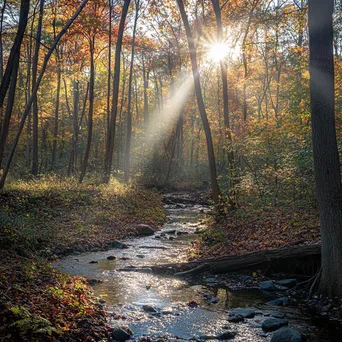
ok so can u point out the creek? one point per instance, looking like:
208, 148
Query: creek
128, 296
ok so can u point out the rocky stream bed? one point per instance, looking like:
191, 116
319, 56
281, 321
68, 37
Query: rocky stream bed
144, 306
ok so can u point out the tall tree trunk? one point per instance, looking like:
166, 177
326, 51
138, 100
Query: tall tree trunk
200, 103
90, 110
146, 79
109, 77
35, 90
326, 157
55, 128
1, 46
15, 50
9, 109
129, 111
116, 84
1, 52
223, 65
34, 170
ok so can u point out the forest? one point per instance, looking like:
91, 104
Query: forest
119, 116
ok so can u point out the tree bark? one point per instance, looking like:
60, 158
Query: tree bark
90, 110
200, 103
9, 109
15, 50
55, 129
116, 84
129, 111
326, 157
34, 170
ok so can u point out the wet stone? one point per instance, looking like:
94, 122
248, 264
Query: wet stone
278, 302
244, 312
150, 309
144, 230
271, 324
287, 335
287, 282
141, 256
267, 285
93, 262
235, 319
121, 334
227, 335
118, 244
111, 257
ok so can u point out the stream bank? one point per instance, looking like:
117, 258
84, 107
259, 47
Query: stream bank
151, 307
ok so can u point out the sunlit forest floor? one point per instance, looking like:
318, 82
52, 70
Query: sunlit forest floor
41, 220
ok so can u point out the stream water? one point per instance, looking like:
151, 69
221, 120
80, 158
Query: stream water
125, 293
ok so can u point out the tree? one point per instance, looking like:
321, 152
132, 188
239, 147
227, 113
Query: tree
116, 84
326, 157
200, 103
15, 50
129, 112
35, 99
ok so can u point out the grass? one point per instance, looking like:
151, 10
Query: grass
56, 216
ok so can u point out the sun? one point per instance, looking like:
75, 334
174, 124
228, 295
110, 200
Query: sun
218, 52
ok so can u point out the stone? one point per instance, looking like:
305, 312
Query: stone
278, 302
157, 237
93, 281
281, 288
144, 230
267, 285
171, 238
141, 256
121, 334
214, 300
93, 262
287, 335
170, 231
235, 319
278, 314
211, 280
227, 335
182, 233
118, 244
287, 282
149, 309
271, 324
111, 257
128, 269
244, 312
246, 278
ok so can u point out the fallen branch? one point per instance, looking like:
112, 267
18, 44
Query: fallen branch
303, 258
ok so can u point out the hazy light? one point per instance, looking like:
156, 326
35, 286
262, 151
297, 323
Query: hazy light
162, 123
218, 52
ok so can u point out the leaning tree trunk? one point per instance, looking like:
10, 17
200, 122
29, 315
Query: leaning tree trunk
116, 84
9, 109
35, 90
326, 157
200, 103
15, 50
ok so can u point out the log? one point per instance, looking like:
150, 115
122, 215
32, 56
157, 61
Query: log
301, 259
